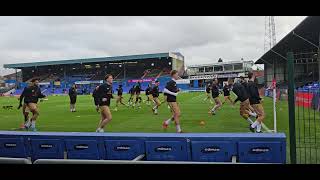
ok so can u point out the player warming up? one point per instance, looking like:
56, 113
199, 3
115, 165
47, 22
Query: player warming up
137, 91
155, 97
255, 102
31, 95
226, 94
119, 97
148, 90
171, 90
131, 92
73, 98
208, 95
215, 96
104, 92
243, 97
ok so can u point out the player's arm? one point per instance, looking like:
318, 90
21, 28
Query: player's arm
235, 91
40, 95
21, 98
169, 92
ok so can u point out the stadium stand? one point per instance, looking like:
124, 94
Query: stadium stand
57, 76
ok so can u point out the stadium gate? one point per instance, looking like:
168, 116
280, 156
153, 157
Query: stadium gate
304, 106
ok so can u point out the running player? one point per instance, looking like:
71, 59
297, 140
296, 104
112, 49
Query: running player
226, 94
137, 91
30, 96
131, 92
96, 98
119, 98
148, 90
243, 97
215, 96
155, 97
104, 92
208, 95
245, 84
171, 91
255, 102
73, 98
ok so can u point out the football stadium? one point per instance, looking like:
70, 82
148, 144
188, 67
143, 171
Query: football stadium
153, 109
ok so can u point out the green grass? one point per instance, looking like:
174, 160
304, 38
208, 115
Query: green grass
55, 116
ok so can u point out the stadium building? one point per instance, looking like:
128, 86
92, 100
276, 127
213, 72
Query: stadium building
57, 76
202, 74
303, 41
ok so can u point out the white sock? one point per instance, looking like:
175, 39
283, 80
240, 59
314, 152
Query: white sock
259, 125
178, 128
156, 111
154, 108
249, 121
28, 123
100, 130
168, 121
254, 125
213, 109
33, 124
253, 114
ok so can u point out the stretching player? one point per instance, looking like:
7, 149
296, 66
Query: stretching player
215, 96
131, 92
104, 92
73, 98
148, 90
31, 95
243, 96
155, 97
171, 91
255, 102
119, 98
226, 94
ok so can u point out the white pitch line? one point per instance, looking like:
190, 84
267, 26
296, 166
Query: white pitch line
266, 128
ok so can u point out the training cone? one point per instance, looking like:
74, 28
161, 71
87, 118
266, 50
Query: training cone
202, 123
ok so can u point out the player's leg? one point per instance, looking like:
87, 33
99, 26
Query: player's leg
35, 113
152, 100
206, 98
106, 117
121, 102
117, 103
176, 116
244, 111
157, 104
74, 103
138, 100
25, 112
71, 107
261, 115
252, 112
218, 104
225, 99
166, 123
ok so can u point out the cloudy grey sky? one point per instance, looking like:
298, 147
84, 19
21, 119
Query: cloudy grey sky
199, 39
